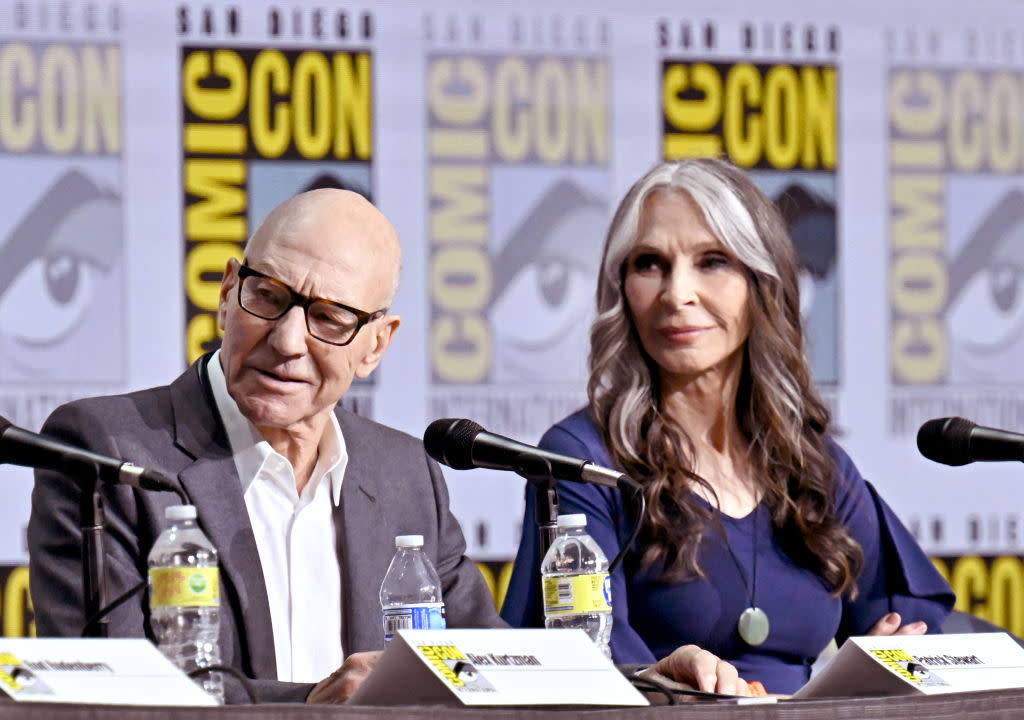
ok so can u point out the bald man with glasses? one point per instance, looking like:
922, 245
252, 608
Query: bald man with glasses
301, 498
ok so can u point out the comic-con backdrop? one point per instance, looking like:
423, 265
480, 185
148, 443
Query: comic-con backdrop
140, 144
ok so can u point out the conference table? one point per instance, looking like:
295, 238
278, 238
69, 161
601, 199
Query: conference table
988, 704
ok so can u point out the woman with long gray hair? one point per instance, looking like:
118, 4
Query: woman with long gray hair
761, 541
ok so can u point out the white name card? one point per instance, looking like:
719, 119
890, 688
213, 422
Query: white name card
911, 664
495, 667
100, 671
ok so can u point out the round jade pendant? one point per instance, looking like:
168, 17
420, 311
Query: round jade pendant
753, 626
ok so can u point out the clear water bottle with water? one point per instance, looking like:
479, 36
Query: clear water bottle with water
410, 595
184, 597
577, 590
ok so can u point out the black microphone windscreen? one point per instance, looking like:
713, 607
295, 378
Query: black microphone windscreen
450, 441
946, 440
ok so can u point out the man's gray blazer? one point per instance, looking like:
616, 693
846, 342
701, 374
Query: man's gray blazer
390, 488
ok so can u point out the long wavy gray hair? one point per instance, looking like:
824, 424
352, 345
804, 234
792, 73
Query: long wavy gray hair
778, 409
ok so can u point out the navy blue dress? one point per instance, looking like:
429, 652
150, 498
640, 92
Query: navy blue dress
652, 617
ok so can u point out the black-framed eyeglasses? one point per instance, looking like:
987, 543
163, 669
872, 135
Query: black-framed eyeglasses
327, 321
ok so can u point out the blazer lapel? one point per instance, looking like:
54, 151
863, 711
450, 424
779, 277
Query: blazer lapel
212, 483
364, 543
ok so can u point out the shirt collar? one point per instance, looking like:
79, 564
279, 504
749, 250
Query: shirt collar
251, 450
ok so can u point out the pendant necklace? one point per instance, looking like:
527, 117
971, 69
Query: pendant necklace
753, 622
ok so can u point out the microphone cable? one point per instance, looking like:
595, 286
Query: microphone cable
112, 605
124, 597
641, 503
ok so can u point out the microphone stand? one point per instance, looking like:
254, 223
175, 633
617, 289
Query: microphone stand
537, 472
92, 520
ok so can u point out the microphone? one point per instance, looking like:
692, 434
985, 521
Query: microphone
956, 441
29, 449
463, 444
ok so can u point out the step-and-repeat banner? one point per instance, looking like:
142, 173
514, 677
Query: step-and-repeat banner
141, 143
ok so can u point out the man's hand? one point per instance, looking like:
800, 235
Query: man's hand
338, 688
890, 624
703, 670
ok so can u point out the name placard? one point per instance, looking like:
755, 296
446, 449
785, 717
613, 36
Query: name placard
100, 671
911, 664
495, 667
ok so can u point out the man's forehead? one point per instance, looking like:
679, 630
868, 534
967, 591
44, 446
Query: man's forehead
331, 219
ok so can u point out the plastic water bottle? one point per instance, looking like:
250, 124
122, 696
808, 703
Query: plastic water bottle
184, 597
410, 595
577, 590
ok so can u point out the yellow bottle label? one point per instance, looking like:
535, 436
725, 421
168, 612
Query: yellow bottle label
184, 586
577, 594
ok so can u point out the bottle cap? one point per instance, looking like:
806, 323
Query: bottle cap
572, 521
408, 541
180, 512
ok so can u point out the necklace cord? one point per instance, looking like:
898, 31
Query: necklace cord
753, 583
752, 588
753, 626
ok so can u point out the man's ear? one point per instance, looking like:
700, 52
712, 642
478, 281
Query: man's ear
227, 285
384, 330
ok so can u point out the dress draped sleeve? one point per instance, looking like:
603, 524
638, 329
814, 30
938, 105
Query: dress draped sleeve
898, 576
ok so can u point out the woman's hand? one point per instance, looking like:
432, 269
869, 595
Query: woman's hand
703, 670
890, 624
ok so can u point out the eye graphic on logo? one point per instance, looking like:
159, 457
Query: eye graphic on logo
46, 299
26, 682
811, 220
986, 291
995, 293
544, 279
53, 260
543, 301
465, 671
918, 670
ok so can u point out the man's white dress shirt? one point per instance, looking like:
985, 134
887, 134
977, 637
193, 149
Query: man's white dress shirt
295, 538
